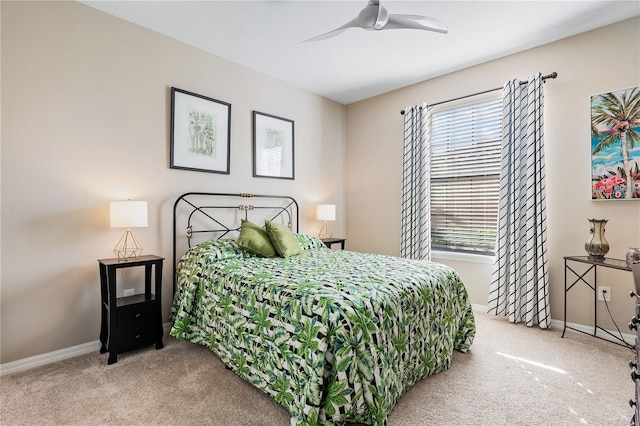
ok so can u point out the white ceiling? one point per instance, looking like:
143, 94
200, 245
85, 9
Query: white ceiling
267, 36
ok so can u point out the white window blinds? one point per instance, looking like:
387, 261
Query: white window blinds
465, 176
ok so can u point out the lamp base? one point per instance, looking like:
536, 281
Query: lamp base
325, 232
128, 247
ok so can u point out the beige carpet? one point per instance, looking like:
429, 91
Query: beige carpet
512, 376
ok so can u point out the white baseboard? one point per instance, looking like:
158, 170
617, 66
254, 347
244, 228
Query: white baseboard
479, 308
628, 338
559, 325
48, 358
55, 356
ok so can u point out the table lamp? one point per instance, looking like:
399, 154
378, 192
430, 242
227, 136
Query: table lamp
128, 214
325, 212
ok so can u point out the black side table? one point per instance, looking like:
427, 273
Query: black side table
130, 322
331, 241
582, 278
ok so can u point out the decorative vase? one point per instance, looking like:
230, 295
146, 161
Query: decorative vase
597, 245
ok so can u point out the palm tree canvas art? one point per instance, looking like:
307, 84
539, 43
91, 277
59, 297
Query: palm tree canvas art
615, 145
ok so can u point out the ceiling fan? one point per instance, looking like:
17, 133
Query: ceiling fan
375, 17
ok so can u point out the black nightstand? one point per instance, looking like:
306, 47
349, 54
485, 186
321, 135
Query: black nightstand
331, 241
134, 321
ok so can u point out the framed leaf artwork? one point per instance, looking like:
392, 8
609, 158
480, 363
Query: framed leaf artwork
200, 133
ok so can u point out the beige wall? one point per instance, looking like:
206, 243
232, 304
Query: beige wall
587, 64
86, 108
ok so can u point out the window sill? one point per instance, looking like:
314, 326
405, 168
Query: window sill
462, 257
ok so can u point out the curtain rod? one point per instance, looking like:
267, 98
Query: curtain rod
544, 77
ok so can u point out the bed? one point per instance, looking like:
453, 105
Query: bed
334, 336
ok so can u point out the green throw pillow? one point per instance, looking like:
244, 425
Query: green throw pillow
255, 240
285, 243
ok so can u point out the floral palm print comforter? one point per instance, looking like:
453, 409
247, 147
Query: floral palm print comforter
333, 336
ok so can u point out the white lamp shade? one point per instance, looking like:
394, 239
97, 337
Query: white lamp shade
128, 214
326, 212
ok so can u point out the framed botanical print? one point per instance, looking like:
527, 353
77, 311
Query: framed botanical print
200, 133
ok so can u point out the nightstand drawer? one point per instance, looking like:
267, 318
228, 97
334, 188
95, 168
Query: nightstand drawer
134, 338
135, 316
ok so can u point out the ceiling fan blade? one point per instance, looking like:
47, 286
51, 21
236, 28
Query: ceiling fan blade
325, 36
416, 22
368, 18
357, 22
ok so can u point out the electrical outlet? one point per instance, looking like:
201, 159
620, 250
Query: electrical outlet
604, 293
129, 292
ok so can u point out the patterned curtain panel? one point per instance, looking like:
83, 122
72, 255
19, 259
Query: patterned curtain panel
416, 213
520, 280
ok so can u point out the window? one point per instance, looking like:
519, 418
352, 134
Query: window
465, 176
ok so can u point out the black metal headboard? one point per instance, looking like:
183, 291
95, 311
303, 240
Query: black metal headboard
210, 216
